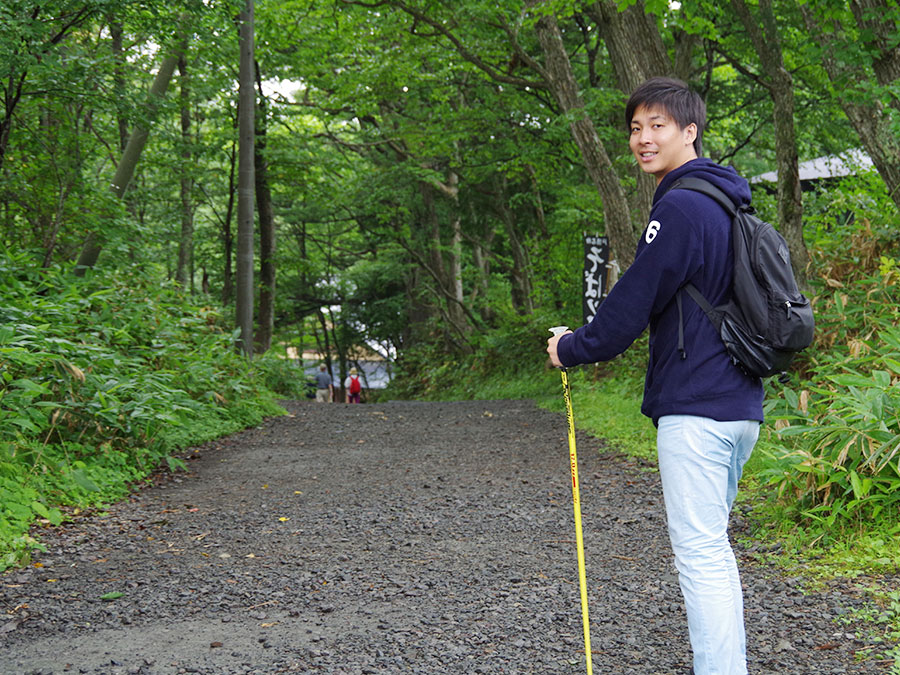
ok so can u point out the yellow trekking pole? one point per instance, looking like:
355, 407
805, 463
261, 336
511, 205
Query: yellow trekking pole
576, 502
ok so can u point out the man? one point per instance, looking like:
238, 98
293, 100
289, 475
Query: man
706, 410
324, 386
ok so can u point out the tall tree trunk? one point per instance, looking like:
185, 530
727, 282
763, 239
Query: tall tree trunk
438, 267
481, 257
878, 20
621, 31
118, 52
456, 306
90, 251
228, 233
520, 273
561, 79
325, 344
186, 241
246, 180
779, 83
867, 114
266, 315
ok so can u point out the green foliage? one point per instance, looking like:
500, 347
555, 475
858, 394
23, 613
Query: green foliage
834, 452
843, 434
879, 622
101, 380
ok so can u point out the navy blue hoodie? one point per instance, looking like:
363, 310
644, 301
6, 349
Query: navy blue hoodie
688, 239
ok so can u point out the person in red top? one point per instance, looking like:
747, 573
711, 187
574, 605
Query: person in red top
353, 387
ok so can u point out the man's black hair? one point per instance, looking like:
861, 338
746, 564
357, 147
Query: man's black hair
676, 99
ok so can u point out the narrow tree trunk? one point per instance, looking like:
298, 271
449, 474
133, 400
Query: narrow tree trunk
455, 307
621, 31
325, 348
228, 233
186, 241
246, 180
561, 80
481, 257
125, 170
115, 34
266, 315
443, 264
779, 83
874, 19
520, 273
868, 116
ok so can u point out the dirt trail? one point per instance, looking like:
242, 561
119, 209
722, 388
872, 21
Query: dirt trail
394, 538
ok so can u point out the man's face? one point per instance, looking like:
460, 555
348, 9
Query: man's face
658, 144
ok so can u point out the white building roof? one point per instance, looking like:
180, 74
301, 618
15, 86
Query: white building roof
833, 166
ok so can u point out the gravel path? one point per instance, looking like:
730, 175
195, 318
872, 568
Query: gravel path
393, 538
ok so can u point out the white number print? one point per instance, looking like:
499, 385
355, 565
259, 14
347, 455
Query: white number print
652, 231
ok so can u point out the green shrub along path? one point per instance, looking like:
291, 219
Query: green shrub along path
396, 537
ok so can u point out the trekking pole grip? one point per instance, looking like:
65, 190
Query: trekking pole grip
559, 330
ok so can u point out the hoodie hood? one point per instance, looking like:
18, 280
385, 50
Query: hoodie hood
723, 177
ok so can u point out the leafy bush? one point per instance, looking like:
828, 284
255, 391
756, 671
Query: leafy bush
834, 457
842, 435
101, 379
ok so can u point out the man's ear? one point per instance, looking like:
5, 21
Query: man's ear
690, 132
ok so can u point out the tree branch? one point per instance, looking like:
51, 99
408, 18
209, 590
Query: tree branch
462, 50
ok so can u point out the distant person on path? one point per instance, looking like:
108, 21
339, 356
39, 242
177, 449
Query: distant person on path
324, 386
707, 411
353, 387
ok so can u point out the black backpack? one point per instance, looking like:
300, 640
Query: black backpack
767, 320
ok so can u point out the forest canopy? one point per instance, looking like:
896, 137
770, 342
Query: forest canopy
420, 170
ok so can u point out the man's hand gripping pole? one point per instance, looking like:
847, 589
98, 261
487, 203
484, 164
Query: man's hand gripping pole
576, 502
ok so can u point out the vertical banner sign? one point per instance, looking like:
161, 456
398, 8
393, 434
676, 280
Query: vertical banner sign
596, 257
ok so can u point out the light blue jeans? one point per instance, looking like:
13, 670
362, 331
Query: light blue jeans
700, 463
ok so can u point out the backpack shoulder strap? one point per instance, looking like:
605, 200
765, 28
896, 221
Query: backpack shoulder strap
711, 312
707, 188
710, 190
697, 296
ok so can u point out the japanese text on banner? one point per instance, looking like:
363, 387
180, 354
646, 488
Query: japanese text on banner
596, 271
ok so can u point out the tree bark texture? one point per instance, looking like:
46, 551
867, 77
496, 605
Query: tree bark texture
561, 80
621, 31
776, 78
90, 251
186, 240
228, 233
874, 19
264, 207
520, 272
246, 181
871, 120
